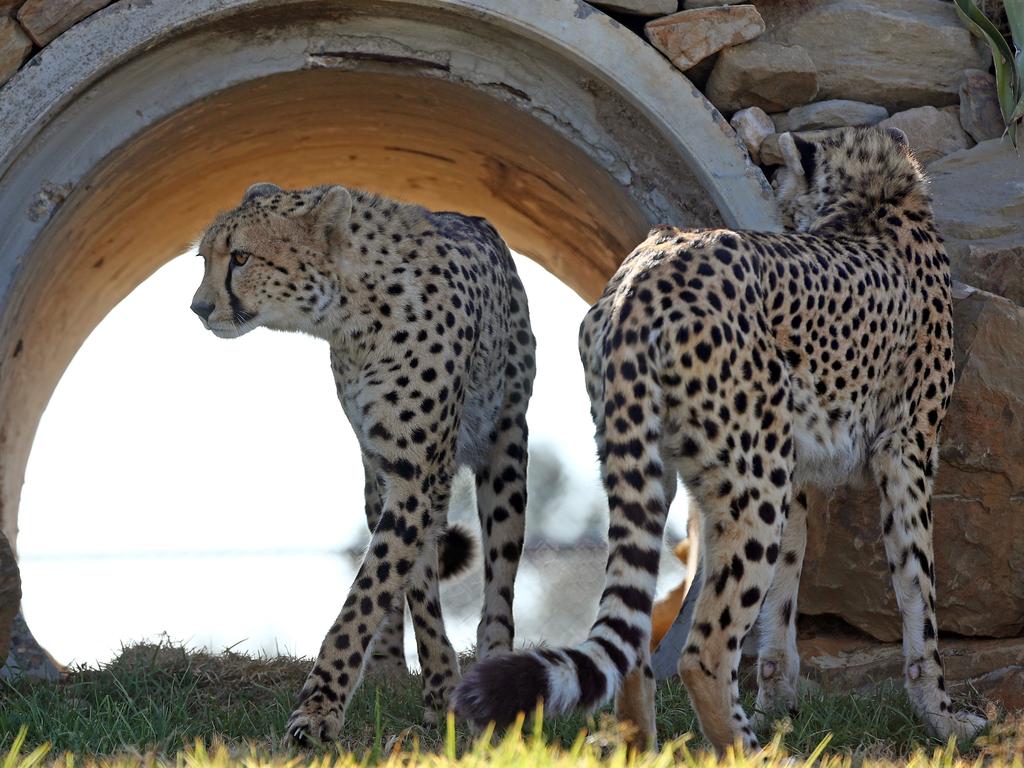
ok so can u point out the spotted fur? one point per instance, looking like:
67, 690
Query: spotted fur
753, 364
433, 358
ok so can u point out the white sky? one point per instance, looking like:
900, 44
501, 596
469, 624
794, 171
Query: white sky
186, 484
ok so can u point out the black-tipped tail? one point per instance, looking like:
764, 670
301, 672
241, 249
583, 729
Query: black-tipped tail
497, 689
455, 551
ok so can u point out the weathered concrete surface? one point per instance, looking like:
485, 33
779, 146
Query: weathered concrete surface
135, 125
638, 7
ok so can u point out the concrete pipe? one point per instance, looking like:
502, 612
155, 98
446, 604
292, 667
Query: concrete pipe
122, 138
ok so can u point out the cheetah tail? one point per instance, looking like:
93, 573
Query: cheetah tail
586, 676
456, 551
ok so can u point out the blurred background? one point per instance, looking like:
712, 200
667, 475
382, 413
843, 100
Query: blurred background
210, 491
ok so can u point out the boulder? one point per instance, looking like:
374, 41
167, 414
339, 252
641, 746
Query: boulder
772, 155
10, 595
14, 47
978, 198
753, 126
46, 19
978, 499
847, 661
1004, 687
27, 658
933, 133
688, 4
833, 113
638, 7
689, 37
897, 53
979, 106
766, 75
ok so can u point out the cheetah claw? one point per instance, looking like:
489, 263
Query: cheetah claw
308, 726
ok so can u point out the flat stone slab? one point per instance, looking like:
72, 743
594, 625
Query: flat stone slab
689, 37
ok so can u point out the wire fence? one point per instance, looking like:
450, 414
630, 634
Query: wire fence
556, 598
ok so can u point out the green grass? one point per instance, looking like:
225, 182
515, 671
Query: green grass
161, 700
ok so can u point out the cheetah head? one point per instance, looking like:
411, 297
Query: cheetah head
273, 261
841, 173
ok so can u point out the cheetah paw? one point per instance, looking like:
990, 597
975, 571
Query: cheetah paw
963, 725
313, 723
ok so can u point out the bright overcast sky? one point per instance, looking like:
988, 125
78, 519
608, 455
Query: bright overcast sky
186, 484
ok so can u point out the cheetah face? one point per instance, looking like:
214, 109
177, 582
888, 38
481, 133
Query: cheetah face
273, 261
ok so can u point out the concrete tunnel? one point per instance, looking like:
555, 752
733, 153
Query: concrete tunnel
122, 138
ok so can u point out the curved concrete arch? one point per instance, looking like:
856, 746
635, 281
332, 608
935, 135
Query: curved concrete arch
120, 139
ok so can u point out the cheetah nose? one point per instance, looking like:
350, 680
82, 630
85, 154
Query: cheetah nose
203, 309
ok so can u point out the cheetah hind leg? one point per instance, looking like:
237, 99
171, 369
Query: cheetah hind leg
900, 475
778, 661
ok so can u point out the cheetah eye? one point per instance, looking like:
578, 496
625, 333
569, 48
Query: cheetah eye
239, 256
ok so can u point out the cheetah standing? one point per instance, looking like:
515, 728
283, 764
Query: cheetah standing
753, 364
433, 359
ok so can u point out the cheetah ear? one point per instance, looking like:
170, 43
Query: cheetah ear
330, 215
898, 136
799, 154
262, 189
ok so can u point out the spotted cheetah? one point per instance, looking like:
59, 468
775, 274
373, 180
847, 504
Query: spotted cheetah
433, 360
752, 364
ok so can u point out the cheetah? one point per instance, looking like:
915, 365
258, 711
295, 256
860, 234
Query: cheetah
753, 364
433, 359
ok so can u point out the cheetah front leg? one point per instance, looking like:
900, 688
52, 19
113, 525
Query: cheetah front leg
411, 483
778, 661
905, 487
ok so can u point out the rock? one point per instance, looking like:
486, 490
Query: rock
897, 53
689, 4
753, 126
8, 7
689, 37
10, 594
996, 269
14, 47
833, 113
979, 106
1004, 687
45, 19
758, 74
639, 7
979, 525
27, 658
978, 198
844, 662
772, 155
933, 133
